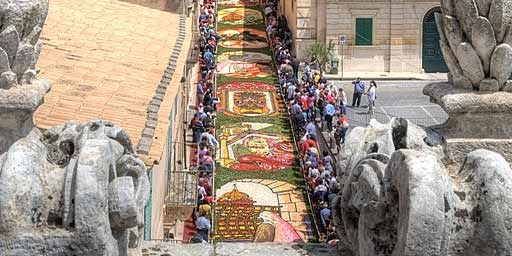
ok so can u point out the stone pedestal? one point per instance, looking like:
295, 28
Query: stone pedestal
17, 106
458, 149
477, 120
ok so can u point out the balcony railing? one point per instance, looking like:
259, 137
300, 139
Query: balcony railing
182, 188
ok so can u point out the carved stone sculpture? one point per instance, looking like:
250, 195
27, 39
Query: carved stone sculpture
21, 22
411, 191
74, 189
476, 39
399, 197
71, 186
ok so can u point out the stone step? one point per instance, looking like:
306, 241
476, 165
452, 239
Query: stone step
161, 248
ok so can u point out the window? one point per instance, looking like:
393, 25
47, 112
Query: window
364, 31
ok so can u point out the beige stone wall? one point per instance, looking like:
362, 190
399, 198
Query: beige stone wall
158, 187
397, 31
301, 15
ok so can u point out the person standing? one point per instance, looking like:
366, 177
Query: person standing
329, 112
197, 128
325, 214
358, 91
311, 127
372, 96
342, 99
203, 227
290, 94
341, 131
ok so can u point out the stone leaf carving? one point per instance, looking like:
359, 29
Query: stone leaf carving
483, 7
500, 16
452, 31
448, 7
455, 76
37, 52
4, 61
489, 85
7, 78
24, 57
508, 36
470, 63
462, 82
24, 15
467, 13
474, 28
10, 41
508, 86
501, 64
21, 23
484, 41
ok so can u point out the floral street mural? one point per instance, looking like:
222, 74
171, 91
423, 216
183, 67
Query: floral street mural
259, 193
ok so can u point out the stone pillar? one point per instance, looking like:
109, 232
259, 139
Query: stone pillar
17, 106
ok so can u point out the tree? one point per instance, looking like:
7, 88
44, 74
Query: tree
320, 53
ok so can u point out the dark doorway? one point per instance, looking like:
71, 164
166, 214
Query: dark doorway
432, 60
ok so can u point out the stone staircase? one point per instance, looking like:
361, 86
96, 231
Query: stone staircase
161, 248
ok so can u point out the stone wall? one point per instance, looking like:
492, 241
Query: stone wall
397, 31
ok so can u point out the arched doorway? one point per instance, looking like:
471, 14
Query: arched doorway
432, 57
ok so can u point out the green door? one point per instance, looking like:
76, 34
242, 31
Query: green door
364, 31
432, 60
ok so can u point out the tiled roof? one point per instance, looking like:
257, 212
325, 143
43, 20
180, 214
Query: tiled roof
105, 59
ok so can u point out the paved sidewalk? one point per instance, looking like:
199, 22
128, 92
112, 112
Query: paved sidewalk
388, 76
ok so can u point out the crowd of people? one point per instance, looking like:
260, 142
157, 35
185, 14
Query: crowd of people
309, 97
202, 124
315, 105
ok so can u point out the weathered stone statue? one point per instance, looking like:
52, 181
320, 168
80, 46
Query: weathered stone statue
411, 191
399, 196
75, 189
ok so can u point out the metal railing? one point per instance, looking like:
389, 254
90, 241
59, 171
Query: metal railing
361, 117
167, 240
182, 188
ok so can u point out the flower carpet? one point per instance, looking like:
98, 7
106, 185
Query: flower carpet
259, 188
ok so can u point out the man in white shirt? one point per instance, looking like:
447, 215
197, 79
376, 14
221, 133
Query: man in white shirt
290, 93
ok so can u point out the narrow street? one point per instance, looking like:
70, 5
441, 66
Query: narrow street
257, 182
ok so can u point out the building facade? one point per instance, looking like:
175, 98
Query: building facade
380, 36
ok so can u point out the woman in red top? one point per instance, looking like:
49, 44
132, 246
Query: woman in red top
304, 101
